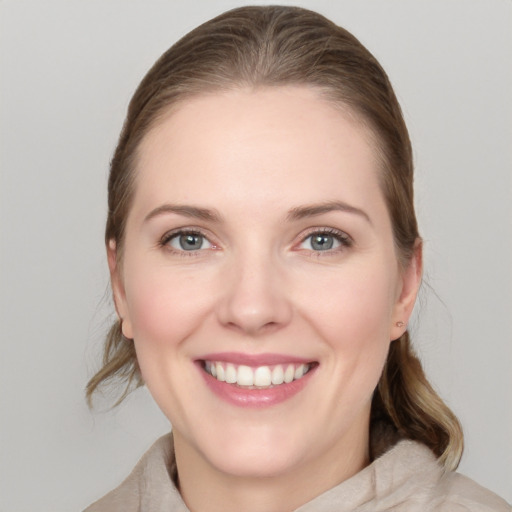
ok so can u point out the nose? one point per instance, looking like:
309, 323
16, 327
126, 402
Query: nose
255, 298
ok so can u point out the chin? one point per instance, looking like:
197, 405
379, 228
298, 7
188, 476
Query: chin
254, 454
256, 464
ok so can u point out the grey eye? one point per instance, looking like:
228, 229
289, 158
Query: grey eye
321, 242
189, 242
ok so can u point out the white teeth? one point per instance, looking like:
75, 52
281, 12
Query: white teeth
260, 377
230, 374
299, 372
289, 373
277, 375
221, 375
245, 376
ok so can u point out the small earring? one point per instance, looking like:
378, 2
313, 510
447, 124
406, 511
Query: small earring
400, 324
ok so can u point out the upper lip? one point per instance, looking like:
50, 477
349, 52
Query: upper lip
254, 360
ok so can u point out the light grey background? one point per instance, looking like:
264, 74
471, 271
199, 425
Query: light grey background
67, 71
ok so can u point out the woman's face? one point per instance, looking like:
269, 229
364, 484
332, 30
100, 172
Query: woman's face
260, 281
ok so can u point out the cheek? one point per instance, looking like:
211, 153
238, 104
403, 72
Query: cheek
353, 306
352, 313
164, 305
165, 309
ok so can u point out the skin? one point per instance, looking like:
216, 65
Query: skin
257, 285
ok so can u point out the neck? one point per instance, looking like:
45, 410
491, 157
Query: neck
206, 489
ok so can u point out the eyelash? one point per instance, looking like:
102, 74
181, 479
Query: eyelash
344, 240
341, 237
164, 241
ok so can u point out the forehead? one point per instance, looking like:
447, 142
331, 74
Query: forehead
285, 143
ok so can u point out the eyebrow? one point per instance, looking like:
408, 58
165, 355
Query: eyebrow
194, 212
300, 212
312, 210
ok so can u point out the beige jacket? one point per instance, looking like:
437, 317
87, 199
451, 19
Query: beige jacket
407, 478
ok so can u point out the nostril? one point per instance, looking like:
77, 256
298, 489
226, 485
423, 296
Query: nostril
254, 327
253, 300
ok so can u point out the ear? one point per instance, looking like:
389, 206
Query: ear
407, 292
118, 292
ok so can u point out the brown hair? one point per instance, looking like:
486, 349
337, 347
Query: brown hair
272, 46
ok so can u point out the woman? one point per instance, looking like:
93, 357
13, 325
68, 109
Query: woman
265, 260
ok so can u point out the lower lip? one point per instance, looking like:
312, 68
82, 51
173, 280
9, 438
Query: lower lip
255, 398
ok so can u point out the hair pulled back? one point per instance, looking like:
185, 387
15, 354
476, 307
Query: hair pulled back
272, 46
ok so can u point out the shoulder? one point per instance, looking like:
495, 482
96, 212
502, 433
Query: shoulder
415, 468
458, 493
407, 478
149, 487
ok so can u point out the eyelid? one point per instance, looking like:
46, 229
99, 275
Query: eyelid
164, 240
344, 238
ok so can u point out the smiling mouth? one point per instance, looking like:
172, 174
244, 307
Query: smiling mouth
260, 377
